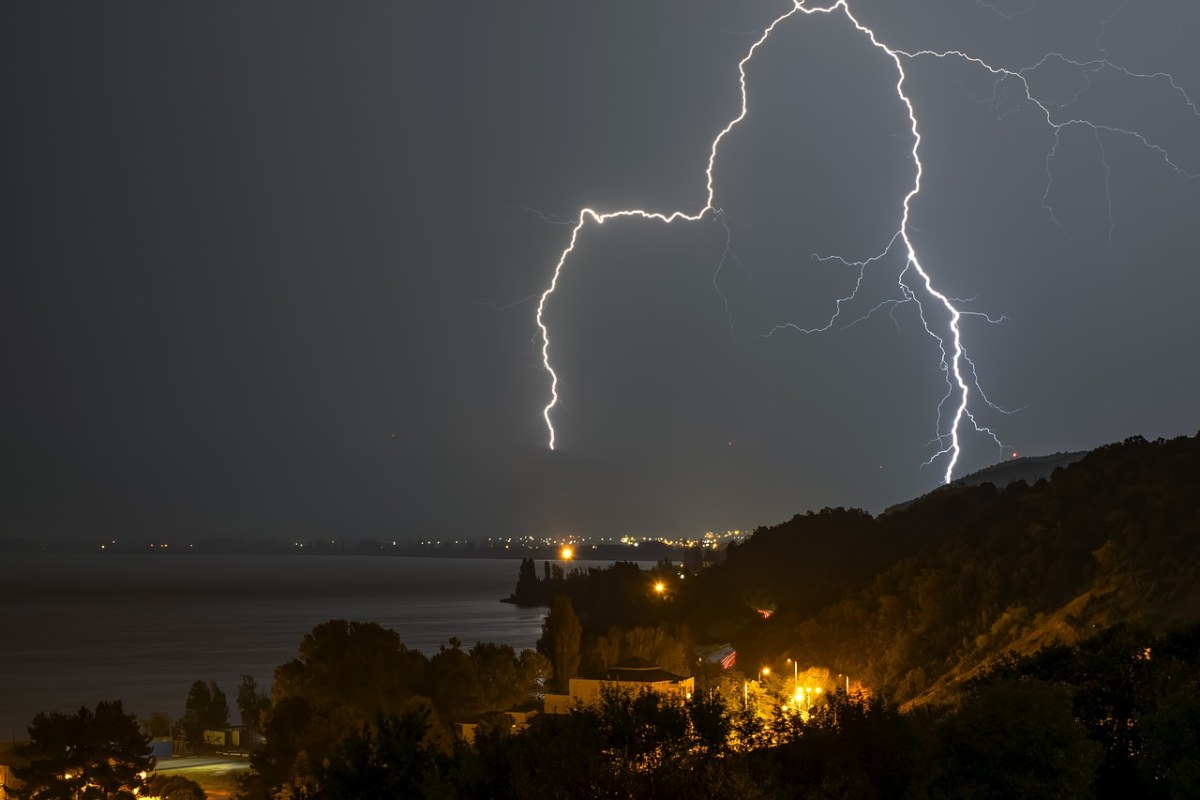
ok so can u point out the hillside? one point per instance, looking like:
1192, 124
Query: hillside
1027, 469
921, 597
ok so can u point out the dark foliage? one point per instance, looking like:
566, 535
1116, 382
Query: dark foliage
560, 641
1013, 739
351, 675
390, 759
90, 755
969, 573
632, 746
251, 704
1138, 697
206, 709
850, 747
174, 787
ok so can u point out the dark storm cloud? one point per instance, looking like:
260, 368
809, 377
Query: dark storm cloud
255, 257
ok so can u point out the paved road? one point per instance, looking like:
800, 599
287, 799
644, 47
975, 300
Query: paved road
216, 774
208, 763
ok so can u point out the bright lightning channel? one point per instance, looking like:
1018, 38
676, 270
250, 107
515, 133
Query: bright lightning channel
950, 342
667, 217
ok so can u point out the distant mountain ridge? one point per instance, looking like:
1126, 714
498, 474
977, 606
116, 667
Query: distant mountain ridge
1029, 469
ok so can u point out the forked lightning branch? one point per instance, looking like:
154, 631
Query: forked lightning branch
960, 405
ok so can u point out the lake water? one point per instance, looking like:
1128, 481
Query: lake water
141, 628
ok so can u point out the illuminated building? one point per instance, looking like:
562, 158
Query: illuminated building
633, 675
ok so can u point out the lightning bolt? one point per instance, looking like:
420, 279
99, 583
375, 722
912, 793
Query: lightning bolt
1005, 14
667, 217
914, 282
726, 255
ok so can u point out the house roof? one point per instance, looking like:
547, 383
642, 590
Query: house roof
639, 670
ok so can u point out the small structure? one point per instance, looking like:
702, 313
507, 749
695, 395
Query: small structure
633, 675
517, 720
162, 747
225, 738
8, 784
9, 759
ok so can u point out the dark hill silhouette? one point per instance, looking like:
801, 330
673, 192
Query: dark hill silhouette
929, 593
1027, 469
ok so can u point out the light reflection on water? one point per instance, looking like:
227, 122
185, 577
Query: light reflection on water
140, 628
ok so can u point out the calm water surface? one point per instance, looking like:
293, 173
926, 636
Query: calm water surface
78, 629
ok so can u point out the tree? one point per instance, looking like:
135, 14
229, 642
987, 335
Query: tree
497, 671
346, 674
157, 724
174, 787
1171, 755
91, 755
643, 731
195, 710
558, 758
533, 671
501, 678
1015, 739
630, 745
670, 649
528, 589
605, 648
360, 665
392, 758
711, 723
206, 709
851, 746
561, 633
251, 705
218, 708
289, 727
454, 683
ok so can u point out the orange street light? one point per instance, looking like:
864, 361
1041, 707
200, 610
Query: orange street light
567, 554
660, 587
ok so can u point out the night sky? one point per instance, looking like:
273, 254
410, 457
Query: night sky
271, 269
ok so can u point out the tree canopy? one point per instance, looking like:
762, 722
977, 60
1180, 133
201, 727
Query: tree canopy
351, 675
560, 642
206, 709
98, 754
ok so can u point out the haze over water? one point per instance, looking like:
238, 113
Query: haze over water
141, 628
